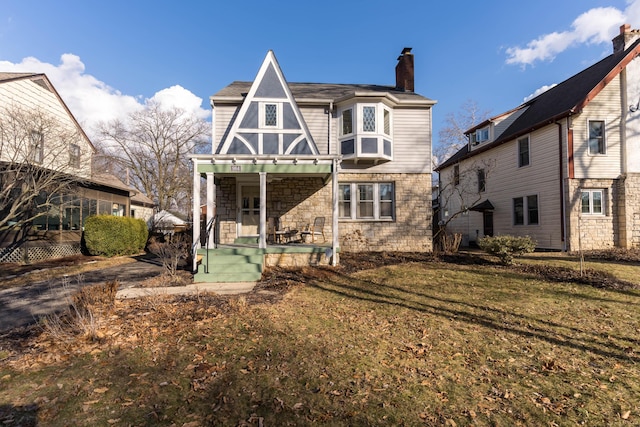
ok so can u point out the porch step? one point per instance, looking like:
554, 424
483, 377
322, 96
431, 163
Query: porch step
225, 267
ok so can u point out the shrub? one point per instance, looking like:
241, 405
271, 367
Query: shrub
107, 235
507, 247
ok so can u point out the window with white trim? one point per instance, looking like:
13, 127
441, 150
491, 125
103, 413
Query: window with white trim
367, 201
523, 152
270, 115
597, 143
368, 118
74, 156
37, 146
482, 135
347, 122
592, 202
525, 210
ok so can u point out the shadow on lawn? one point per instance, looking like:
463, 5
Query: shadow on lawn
26, 416
497, 319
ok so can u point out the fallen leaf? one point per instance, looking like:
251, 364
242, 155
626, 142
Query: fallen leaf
625, 415
101, 390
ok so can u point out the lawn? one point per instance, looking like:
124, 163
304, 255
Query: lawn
411, 341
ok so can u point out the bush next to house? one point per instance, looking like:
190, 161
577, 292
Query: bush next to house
507, 247
107, 235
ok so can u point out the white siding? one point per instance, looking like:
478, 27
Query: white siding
223, 116
605, 106
317, 122
506, 181
29, 96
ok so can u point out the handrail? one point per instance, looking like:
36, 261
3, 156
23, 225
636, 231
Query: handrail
211, 226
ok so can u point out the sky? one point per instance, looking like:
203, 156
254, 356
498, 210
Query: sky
109, 58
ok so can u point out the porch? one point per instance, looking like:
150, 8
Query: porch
244, 262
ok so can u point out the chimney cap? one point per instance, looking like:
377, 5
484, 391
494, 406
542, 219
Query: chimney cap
405, 51
624, 28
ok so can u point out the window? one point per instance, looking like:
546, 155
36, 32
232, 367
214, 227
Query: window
387, 121
37, 146
592, 202
482, 183
270, 115
528, 205
373, 201
596, 137
344, 201
482, 135
523, 151
347, 122
456, 174
518, 211
369, 119
532, 209
74, 156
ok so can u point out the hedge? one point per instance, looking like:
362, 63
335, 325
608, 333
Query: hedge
107, 235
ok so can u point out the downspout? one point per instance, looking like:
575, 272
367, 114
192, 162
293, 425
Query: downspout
563, 225
329, 126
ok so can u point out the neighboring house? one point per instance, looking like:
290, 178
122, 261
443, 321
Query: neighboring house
356, 155
141, 206
166, 223
563, 168
37, 129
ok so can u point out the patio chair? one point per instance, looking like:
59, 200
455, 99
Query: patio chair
276, 234
317, 229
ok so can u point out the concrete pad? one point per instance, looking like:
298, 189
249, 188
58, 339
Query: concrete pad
193, 289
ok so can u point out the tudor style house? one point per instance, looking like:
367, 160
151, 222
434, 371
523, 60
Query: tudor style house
45, 153
563, 168
302, 171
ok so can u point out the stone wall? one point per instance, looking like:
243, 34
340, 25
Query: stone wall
593, 231
296, 201
629, 210
410, 231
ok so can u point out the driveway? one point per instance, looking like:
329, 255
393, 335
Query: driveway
24, 305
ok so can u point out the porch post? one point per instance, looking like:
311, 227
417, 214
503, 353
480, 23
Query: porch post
262, 240
334, 219
195, 227
211, 208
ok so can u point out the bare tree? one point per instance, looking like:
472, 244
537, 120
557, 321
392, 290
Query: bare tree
37, 151
451, 137
151, 149
461, 189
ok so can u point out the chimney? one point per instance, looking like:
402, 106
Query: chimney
625, 38
404, 71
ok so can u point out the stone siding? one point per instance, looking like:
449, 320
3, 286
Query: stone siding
588, 232
297, 201
629, 210
410, 231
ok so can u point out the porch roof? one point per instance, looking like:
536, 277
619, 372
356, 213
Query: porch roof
247, 164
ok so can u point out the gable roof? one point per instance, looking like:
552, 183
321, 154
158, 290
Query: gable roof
327, 92
290, 136
565, 99
43, 81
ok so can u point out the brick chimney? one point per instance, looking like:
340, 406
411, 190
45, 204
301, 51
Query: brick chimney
625, 38
404, 71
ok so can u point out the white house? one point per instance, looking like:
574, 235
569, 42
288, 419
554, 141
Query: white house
563, 168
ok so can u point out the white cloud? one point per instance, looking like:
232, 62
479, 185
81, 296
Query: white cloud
538, 91
595, 26
91, 100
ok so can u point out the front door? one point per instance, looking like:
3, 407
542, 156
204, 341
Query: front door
250, 210
487, 220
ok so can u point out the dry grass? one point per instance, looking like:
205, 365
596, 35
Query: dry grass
409, 341
14, 274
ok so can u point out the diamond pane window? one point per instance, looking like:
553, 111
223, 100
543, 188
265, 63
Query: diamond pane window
271, 115
369, 119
